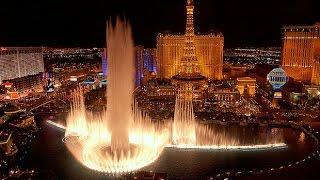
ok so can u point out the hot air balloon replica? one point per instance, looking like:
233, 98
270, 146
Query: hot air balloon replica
277, 78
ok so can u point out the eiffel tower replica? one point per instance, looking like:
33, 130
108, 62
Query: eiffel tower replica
189, 76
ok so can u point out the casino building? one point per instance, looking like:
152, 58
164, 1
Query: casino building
222, 93
206, 49
145, 60
301, 53
17, 62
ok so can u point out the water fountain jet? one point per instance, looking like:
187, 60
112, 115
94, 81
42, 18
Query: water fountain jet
122, 139
120, 83
188, 133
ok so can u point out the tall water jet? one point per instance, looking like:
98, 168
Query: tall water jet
188, 133
120, 52
184, 125
122, 138
77, 119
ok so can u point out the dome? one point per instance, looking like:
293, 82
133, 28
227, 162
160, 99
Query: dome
277, 78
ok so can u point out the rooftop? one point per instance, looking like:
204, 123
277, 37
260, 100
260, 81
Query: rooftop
246, 79
316, 25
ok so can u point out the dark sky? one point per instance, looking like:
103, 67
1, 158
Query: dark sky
82, 22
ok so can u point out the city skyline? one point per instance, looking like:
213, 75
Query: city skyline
82, 23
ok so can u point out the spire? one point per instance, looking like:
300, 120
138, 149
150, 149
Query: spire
189, 62
189, 22
190, 2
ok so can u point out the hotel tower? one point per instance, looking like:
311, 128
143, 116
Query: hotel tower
17, 62
301, 53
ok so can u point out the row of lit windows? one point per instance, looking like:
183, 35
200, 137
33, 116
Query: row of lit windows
14, 52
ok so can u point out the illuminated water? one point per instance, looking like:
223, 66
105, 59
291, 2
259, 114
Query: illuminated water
122, 138
200, 163
184, 125
120, 52
190, 134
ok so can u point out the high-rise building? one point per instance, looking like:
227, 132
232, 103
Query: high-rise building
27, 82
149, 59
139, 64
145, 60
301, 49
104, 63
204, 53
316, 71
16, 62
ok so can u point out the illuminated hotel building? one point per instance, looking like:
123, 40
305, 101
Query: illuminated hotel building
207, 49
149, 59
316, 71
104, 63
139, 64
145, 59
300, 54
16, 62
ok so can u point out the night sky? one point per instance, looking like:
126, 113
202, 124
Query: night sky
63, 23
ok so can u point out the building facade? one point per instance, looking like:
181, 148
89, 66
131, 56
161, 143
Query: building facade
316, 71
205, 51
145, 60
149, 59
16, 62
139, 64
27, 82
223, 94
104, 63
246, 86
301, 47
